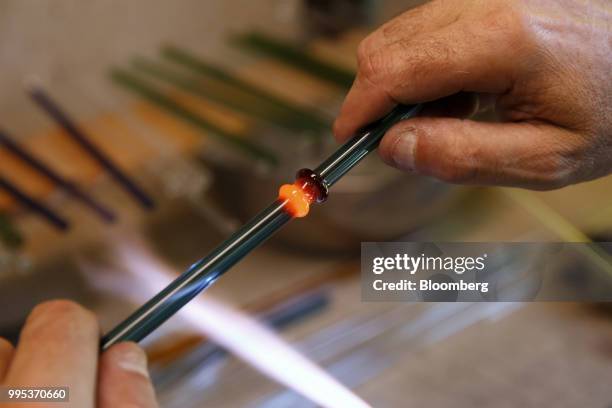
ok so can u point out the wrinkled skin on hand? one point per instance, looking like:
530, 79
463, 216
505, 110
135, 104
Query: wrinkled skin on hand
545, 66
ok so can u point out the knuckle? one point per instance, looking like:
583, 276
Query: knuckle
497, 20
394, 28
370, 61
363, 50
454, 174
556, 163
568, 162
455, 170
506, 24
561, 172
430, 55
458, 162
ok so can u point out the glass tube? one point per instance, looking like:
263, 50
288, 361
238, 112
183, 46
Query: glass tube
205, 272
351, 153
199, 277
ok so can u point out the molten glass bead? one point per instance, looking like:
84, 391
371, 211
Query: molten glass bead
308, 188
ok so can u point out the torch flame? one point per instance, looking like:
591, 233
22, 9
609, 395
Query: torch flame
229, 327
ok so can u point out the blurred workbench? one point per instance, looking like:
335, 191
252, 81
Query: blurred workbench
540, 355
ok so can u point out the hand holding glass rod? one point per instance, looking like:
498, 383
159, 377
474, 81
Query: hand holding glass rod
294, 200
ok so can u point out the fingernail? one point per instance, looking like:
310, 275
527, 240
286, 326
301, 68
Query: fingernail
133, 359
403, 150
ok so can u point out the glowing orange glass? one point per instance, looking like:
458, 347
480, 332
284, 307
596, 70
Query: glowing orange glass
298, 202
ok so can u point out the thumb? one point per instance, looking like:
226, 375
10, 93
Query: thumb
124, 379
531, 155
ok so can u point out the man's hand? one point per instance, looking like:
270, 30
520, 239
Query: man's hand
59, 346
545, 66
